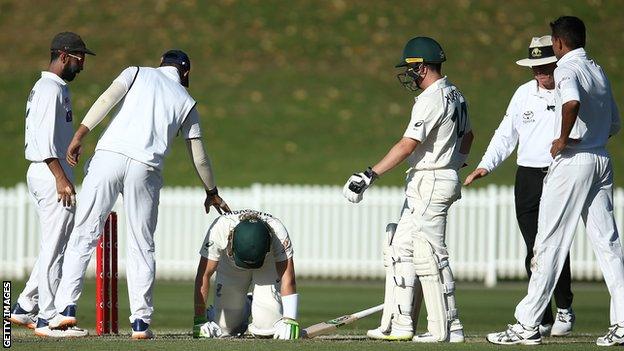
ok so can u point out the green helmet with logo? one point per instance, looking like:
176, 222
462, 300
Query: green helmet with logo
422, 49
250, 243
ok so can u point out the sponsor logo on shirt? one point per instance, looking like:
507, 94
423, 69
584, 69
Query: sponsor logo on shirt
68, 116
528, 117
418, 124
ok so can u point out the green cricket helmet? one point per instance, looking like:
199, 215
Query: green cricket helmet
250, 243
422, 49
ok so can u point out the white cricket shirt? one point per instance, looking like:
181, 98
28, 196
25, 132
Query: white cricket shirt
579, 78
528, 123
153, 111
49, 128
439, 121
218, 238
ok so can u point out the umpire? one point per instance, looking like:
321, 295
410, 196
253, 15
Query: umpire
530, 123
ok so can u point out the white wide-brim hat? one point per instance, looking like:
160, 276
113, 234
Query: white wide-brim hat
540, 52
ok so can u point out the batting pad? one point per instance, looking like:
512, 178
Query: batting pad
427, 268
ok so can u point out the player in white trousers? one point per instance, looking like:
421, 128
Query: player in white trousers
436, 143
579, 184
50, 180
153, 106
528, 123
246, 249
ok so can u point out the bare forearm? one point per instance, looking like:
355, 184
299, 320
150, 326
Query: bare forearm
397, 154
202, 287
569, 112
81, 132
286, 270
55, 167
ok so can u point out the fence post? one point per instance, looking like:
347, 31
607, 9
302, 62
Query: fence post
22, 204
490, 275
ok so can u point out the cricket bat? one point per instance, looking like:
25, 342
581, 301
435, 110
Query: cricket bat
331, 325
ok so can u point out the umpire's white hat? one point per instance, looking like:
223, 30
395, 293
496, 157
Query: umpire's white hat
540, 52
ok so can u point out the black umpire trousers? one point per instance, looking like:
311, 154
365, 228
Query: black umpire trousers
528, 191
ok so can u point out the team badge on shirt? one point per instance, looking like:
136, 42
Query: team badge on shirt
528, 117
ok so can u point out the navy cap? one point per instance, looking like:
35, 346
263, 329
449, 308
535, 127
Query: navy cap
69, 42
178, 57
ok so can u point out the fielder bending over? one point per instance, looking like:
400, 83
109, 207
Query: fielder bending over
436, 144
153, 106
246, 248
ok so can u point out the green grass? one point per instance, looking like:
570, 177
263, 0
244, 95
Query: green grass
299, 91
481, 310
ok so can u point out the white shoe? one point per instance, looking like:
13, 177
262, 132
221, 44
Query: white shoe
516, 334
141, 330
44, 330
393, 335
615, 336
545, 329
564, 321
22, 317
456, 334
61, 322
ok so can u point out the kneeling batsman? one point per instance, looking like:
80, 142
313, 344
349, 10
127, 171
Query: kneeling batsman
247, 249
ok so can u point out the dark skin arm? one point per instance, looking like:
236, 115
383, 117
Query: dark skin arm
569, 113
205, 270
66, 194
75, 147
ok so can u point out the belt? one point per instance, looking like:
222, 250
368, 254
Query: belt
541, 169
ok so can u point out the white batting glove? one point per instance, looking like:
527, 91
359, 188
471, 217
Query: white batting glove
286, 329
210, 329
356, 185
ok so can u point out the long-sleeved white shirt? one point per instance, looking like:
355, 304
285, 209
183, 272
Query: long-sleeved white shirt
529, 123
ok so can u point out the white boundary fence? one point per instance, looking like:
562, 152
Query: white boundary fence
331, 237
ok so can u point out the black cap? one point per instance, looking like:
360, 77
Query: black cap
178, 57
70, 42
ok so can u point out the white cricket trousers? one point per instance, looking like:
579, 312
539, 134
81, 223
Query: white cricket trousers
56, 223
110, 174
579, 184
429, 195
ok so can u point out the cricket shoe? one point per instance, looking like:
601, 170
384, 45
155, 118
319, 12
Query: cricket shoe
456, 334
65, 319
141, 330
615, 336
43, 330
22, 317
563, 322
393, 335
516, 334
545, 329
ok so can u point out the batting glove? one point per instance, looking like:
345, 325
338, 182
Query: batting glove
356, 185
198, 321
210, 329
286, 329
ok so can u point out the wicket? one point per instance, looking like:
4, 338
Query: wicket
106, 279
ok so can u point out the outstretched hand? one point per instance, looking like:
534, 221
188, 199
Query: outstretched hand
476, 174
217, 202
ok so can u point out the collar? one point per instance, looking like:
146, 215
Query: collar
571, 55
171, 72
440, 83
53, 76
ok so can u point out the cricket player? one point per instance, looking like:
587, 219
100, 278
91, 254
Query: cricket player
152, 107
50, 180
579, 183
246, 248
529, 123
436, 144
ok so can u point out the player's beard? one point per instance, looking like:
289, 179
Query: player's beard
69, 72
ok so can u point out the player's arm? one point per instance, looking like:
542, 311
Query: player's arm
396, 155
205, 269
568, 86
201, 162
287, 327
102, 106
615, 119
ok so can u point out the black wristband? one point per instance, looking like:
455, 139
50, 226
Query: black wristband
371, 174
212, 192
